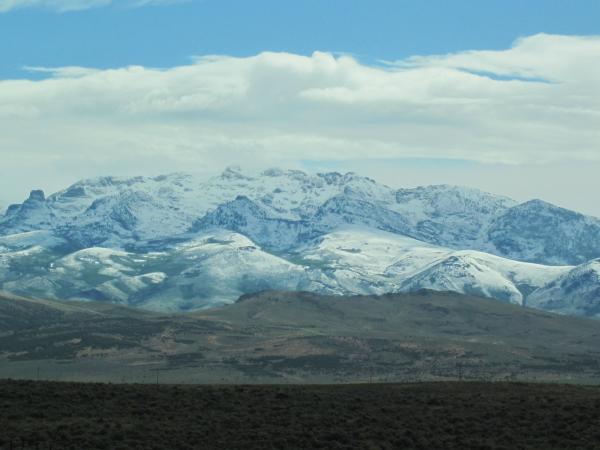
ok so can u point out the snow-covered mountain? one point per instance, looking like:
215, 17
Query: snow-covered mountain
450, 215
575, 293
121, 211
217, 266
541, 232
179, 242
279, 209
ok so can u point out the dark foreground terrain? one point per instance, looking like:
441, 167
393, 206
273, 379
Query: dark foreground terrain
445, 415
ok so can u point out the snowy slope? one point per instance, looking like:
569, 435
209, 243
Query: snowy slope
373, 261
207, 270
280, 209
177, 242
450, 215
253, 220
27, 240
366, 260
117, 210
477, 273
217, 266
575, 293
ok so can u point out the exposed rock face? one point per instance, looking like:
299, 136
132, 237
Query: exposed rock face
37, 195
537, 231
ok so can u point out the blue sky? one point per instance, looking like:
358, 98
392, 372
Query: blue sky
499, 95
168, 35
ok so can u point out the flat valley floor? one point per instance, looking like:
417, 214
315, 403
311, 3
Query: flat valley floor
441, 415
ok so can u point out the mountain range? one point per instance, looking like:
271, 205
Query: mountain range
180, 242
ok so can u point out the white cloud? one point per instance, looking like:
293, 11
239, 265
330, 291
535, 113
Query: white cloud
74, 5
286, 109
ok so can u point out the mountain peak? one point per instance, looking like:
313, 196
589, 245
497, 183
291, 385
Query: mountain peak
539, 204
162, 206
454, 190
106, 181
543, 206
173, 176
234, 173
196, 242
337, 177
37, 195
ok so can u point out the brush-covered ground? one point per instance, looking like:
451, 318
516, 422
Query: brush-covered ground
295, 337
444, 415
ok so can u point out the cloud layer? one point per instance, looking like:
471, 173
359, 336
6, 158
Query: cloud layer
535, 103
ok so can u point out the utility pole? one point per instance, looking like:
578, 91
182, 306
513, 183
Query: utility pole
157, 372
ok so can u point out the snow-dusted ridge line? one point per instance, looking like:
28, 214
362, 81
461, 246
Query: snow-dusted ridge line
177, 241
218, 266
120, 212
